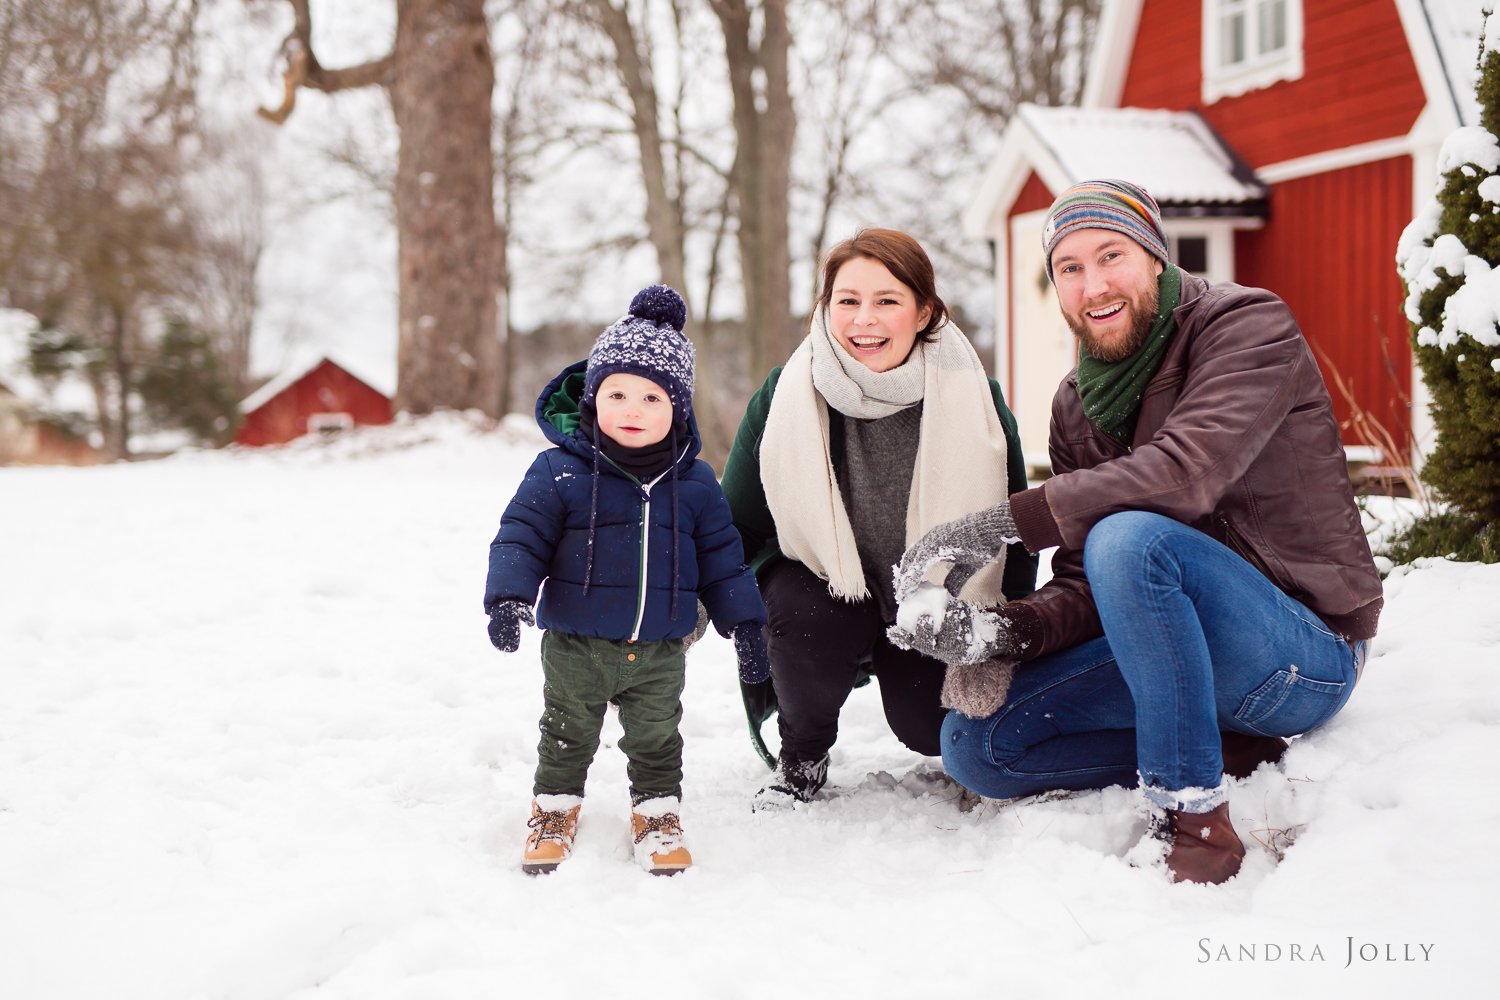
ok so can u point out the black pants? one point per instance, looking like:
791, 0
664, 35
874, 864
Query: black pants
819, 644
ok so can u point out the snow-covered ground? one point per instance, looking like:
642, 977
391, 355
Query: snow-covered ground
254, 744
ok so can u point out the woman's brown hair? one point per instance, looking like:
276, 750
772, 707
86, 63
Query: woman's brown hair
902, 256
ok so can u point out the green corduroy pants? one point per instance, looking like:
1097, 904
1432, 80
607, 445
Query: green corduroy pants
582, 675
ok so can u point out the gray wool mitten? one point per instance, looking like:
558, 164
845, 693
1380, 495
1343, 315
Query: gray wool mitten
969, 543
698, 629
977, 690
966, 635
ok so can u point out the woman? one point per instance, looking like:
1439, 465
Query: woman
881, 425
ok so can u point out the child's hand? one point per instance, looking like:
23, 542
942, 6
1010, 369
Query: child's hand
505, 624
750, 649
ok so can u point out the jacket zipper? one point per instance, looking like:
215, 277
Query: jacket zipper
640, 599
640, 588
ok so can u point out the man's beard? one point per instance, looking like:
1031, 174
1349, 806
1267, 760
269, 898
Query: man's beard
1142, 319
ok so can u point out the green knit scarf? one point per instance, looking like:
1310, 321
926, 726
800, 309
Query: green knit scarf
1112, 391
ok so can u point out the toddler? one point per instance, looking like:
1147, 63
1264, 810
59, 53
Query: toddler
623, 531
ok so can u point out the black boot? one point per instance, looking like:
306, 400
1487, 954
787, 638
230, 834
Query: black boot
792, 781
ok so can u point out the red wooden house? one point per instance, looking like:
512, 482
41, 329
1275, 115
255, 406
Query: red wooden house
318, 397
1288, 142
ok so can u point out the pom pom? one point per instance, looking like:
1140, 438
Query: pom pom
661, 305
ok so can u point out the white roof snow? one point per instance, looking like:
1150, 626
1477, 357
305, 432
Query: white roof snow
1172, 154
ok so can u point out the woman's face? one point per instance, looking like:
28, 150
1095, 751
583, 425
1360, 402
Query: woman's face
874, 316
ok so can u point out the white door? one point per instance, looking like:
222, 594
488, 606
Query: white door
1044, 348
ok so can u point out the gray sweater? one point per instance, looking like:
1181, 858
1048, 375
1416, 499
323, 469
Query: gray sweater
874, 469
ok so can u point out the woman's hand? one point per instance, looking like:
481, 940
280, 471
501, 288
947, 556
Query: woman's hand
969, 544
965, 634
977, 690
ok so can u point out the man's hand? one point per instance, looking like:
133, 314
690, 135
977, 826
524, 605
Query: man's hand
966, 634
505, 624
969, 543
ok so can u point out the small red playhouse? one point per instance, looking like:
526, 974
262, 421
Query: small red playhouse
319, 397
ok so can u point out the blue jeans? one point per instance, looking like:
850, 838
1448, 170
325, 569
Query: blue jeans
1195, 640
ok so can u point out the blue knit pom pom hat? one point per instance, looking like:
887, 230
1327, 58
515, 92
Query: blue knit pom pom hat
1105, 204
647, 341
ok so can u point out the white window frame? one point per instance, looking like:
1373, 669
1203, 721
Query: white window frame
1258, 69
1220, 236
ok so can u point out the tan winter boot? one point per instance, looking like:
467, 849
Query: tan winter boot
553, 823
660, 846
1202, 847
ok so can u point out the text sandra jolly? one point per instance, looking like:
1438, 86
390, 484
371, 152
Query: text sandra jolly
1350, 950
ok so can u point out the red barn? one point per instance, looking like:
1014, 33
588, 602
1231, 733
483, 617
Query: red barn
319, 397
1288, 142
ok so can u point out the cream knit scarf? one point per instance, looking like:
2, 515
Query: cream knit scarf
961, 453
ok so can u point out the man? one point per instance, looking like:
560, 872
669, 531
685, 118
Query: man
1212, 589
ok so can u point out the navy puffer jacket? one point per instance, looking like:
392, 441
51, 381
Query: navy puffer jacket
545, 534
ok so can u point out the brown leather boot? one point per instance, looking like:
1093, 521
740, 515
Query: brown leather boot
1244, 753
1202, 847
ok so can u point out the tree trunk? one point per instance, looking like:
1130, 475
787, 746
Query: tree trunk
764, 124
663, 217
123, 377
449, 349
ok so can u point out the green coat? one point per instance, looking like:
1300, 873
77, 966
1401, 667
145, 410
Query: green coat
752, 516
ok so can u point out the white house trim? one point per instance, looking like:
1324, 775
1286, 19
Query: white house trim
1021, 152
1002, 308
1335, 159
1219, 232
1114, 40
1440, 82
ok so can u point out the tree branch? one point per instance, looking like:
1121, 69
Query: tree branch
304, 70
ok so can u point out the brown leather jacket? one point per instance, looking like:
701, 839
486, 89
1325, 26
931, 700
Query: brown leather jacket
1236, 438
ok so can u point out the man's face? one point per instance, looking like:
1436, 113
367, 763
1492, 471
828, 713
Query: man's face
1106, 286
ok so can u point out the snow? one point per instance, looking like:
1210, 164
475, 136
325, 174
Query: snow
254, 744
930, 601
69, 394
1173, 154
1473, 309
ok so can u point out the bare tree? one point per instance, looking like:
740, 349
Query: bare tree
526, 128
97, 100
439, 76
231, 238
665, 225
1010, 52
702, 185
764, 125
964, 67
663, 155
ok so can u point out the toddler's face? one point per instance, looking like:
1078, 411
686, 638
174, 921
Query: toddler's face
632, 411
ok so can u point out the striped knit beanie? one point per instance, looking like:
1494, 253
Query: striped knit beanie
1106, 204
647, 341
